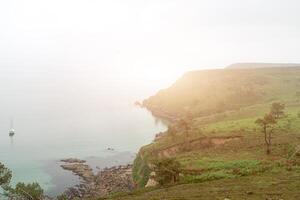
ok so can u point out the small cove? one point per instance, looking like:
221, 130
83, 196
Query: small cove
53, 120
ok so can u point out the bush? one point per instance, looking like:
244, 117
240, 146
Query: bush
167, 170
31, 191
5, 176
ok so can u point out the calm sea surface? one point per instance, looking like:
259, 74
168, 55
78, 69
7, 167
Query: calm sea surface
66, 114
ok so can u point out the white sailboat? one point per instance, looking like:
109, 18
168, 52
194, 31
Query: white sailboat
12, 130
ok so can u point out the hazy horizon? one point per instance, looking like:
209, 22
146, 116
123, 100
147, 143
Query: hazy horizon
136, 42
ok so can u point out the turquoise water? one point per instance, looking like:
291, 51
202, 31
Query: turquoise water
60, 116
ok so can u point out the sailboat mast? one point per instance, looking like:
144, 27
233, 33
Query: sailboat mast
11, 124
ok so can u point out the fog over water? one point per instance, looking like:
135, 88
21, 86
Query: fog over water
60, 114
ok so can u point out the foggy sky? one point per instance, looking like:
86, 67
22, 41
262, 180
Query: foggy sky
145, 39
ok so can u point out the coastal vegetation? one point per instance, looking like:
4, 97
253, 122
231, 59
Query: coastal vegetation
22, 191
221, 123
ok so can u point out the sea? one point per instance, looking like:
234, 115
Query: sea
70, 113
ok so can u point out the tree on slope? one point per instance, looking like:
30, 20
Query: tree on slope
167, 170
267, 124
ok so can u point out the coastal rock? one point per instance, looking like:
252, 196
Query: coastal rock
114, 179
72, 160
79, 168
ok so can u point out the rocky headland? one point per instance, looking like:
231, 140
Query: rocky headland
100, 184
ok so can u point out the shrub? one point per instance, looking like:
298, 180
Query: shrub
31, 191
5, 176
166, 170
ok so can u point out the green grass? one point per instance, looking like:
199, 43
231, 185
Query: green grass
220, 169
209, 176
269, 185
208, 164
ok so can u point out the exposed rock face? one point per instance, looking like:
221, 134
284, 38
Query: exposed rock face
151, 182
114, 179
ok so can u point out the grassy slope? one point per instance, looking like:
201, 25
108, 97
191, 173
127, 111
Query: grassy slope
238, 166
271, 185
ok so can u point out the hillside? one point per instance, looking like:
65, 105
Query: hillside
213, 135
202, 93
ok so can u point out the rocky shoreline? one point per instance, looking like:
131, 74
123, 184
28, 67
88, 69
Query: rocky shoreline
100, 184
